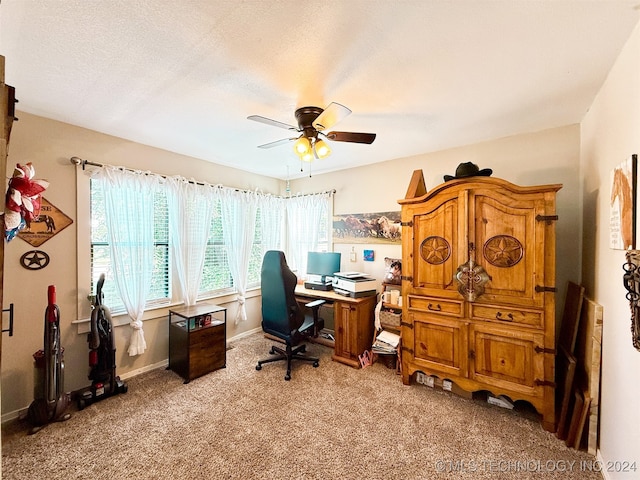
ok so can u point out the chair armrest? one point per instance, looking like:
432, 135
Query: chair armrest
315, 306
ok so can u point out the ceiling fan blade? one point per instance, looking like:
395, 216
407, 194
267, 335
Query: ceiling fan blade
276, 143
268, 121
330, 116
351, 137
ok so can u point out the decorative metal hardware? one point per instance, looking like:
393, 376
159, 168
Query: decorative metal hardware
508, 318
436, 308
407, 278
541, 288
407, 224
34, 260
547, 218
10, 310
472, 354
405, 324
631, 281
539, 349
471, 278
408, 350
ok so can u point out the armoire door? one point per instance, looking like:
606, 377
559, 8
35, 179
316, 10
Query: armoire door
509, 244
439, 344
439, 244
507, 359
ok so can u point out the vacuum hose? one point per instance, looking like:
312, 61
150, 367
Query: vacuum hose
94, 337
52, 353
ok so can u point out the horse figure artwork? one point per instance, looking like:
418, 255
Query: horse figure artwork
390, 230
621, 190
48, 221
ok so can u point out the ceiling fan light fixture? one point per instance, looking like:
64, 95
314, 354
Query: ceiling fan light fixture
307, 157
302, 146
322, 149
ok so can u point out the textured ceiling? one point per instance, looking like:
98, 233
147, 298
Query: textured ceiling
424, 75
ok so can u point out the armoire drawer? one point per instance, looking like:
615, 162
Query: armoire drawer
533, 318
438, 306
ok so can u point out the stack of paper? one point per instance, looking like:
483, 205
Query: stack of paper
386, 343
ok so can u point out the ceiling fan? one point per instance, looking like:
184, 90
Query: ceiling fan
312, 121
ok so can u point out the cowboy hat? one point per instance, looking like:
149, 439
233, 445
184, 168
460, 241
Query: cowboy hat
469, 169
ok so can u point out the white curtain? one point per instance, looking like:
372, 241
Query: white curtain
238, 220
305, 214
130, 222
191, 208
272, 216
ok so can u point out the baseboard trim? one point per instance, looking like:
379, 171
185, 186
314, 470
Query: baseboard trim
601, 462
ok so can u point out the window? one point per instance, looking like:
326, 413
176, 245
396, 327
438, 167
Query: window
257, 250
323, 232
100, 256
216, 276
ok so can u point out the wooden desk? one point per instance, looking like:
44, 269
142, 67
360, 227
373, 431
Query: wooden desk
353, 319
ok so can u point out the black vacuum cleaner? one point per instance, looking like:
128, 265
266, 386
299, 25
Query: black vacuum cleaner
51, 402
102, 354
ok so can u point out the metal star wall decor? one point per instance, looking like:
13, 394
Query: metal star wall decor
34, 260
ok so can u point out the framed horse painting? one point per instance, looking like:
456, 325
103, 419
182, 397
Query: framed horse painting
622, 218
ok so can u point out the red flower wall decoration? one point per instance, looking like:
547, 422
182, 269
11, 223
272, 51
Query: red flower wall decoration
22, 203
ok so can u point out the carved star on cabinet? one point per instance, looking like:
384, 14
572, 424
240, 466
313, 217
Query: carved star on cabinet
503, 251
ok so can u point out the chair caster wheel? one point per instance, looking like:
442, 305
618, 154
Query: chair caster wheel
316, 364
287, 377
258, 367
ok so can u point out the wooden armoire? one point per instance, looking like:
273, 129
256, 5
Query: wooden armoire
478, 260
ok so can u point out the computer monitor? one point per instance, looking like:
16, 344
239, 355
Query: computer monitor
323, 264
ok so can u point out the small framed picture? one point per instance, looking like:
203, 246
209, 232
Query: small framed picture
368, 256
622, 216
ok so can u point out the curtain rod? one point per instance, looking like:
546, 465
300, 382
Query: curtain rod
77, 161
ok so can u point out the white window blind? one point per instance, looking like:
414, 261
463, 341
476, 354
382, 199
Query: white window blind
216, 277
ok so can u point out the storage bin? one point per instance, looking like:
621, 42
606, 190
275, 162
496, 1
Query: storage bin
389, 318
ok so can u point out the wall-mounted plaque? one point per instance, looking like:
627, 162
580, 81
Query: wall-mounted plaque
49, 223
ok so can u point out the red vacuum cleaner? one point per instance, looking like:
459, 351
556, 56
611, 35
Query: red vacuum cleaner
50, 401
102, 354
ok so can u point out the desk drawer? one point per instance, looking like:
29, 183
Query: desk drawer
207, 350
438, 306
207, 336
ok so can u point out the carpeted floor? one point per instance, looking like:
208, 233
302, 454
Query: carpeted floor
330, 422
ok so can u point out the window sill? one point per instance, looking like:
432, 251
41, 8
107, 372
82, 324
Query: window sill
83, 325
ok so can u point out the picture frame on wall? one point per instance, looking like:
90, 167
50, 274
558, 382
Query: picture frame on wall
373, 227
623, 209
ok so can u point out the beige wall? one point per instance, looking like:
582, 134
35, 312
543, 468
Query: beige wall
611, 133
550, 156
49, 145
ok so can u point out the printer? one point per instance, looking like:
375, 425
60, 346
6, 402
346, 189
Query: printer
354, 284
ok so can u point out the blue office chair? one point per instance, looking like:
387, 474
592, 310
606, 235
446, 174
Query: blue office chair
282, 317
